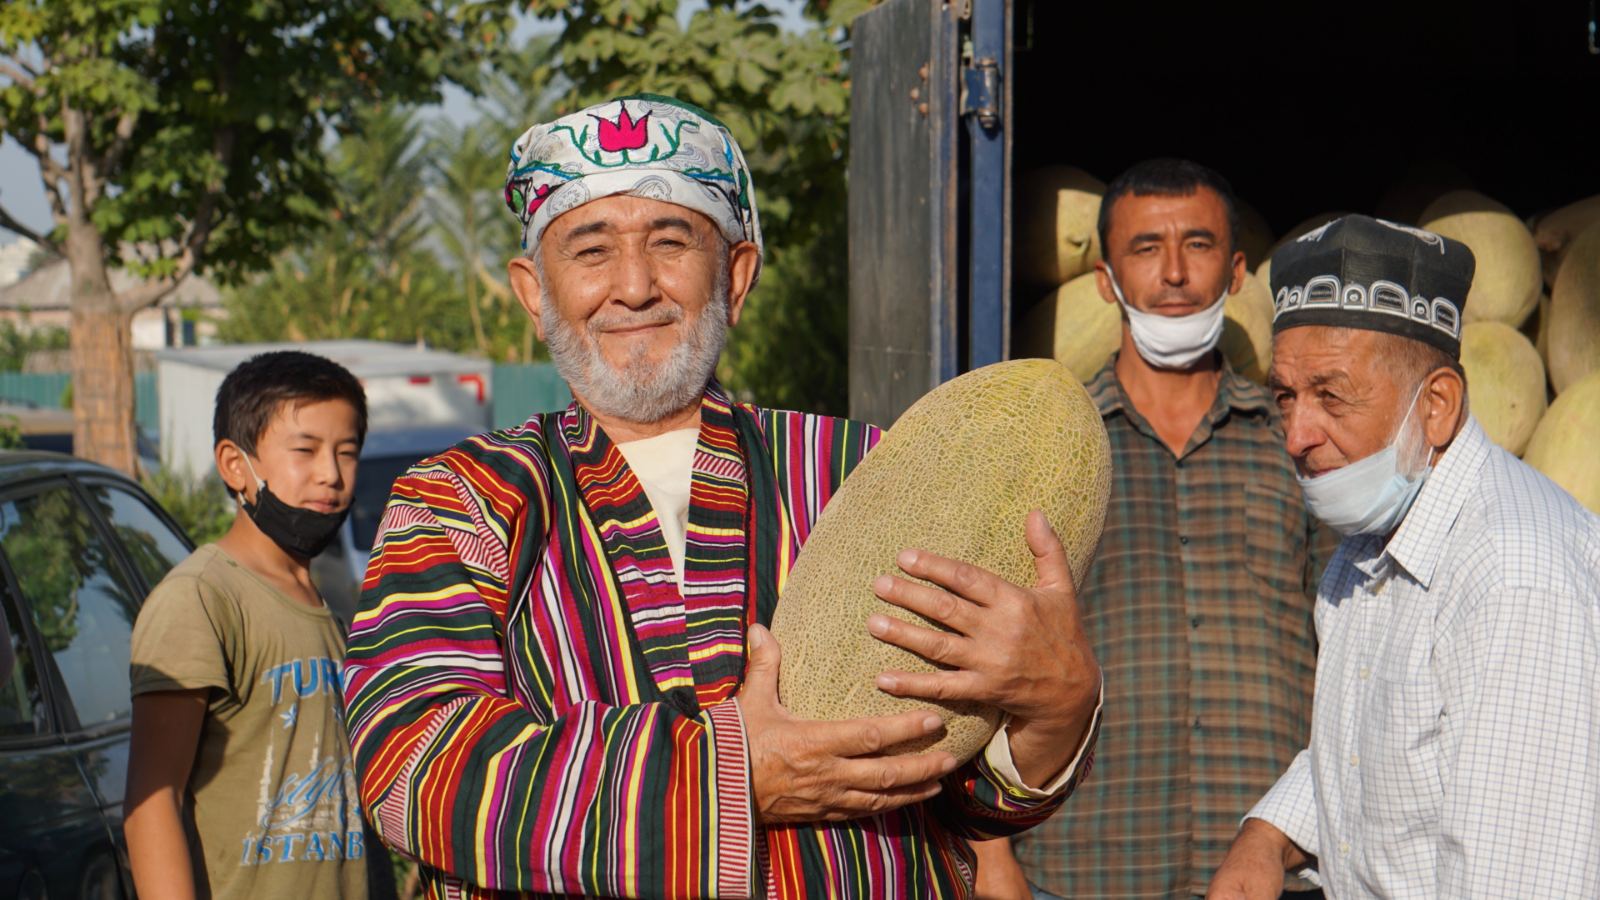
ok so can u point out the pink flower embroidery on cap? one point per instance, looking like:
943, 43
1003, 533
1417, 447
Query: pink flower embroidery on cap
626, 133
537, 198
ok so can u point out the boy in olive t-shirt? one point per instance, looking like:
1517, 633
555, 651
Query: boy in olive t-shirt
240, 780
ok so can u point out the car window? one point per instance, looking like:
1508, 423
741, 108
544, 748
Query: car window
374, 480
80, 601
22, 709
56, 443
150, 542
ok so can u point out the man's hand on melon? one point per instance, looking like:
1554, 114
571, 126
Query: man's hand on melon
1021, 649
811, 771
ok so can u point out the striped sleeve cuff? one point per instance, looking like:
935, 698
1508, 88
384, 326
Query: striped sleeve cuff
735, 800
998, 756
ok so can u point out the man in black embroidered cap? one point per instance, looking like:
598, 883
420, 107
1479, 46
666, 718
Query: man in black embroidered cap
1455, 740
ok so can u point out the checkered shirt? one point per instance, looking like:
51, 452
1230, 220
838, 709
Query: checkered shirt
1199, 604
1455, 746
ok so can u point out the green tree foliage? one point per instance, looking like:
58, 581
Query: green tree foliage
367, 273
16, 343
788, 350
463, 162
415, 245
474, 230
201, 507
195, 133
785, 97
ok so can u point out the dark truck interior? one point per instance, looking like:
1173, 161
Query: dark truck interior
1317, 107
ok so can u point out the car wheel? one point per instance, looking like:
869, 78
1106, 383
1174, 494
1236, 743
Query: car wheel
100, 880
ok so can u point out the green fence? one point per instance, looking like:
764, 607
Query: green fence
147, 403
41, 389
517, 391
521, 390
48, 390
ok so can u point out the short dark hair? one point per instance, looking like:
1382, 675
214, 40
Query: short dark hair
258, 387
1168, 178
1412, 360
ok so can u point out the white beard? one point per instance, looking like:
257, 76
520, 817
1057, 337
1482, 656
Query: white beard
638, 390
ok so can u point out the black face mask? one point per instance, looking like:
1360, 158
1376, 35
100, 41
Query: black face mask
300, 532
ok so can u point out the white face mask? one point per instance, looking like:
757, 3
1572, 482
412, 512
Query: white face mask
1172, 342
1372, 495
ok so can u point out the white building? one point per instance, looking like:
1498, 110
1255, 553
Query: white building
183, 318
405, 386
14, 259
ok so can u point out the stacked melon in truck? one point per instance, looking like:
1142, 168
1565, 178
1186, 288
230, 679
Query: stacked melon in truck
1530, 344
1566, 443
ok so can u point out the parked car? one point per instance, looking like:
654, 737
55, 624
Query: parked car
43, 428
80, 547
385, 456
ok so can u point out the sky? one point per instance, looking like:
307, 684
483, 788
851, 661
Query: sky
22, 195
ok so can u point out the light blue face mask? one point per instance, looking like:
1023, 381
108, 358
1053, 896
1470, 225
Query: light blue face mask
1172, 342
1372, 495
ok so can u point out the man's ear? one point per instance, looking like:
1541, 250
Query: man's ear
744, 259
1102, 281
231, 466
524, 277
1237, 283
1444, 406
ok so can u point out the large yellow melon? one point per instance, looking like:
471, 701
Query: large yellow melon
1505, 381
1073, 325
1555, 231
1563, 446
1505, 287
1573, 341
956, 476
1058, 213
1247, 330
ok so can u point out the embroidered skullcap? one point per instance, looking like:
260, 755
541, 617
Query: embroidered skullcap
645, 145
1361, 272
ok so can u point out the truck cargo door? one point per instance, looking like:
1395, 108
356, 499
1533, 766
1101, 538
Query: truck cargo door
904, 144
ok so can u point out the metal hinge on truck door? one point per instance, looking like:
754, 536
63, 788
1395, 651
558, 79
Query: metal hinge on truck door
980, 92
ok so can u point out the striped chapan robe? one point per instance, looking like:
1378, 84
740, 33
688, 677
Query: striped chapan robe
537, 709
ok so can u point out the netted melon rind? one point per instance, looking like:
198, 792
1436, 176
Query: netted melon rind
1247, 330
956, 476
1573, 343
1506, 381
1562, 447
1508, 277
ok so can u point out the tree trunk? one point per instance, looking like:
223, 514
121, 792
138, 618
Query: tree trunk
102, 357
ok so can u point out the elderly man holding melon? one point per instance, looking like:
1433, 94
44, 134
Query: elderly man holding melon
560, 682
1455, 743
